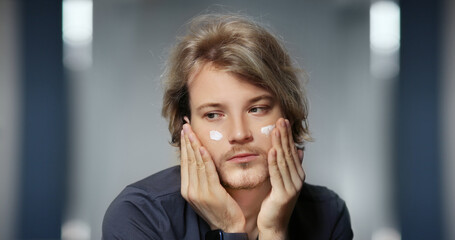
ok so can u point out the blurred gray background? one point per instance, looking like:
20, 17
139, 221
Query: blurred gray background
115, 135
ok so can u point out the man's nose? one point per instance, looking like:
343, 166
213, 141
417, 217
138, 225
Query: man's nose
240, 131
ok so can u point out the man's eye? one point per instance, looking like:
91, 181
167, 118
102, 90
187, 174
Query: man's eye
258, 109
213, 116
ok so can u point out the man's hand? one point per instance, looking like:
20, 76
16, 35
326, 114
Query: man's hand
286, 177
201, 186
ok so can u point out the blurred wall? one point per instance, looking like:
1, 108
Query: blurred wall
9, 116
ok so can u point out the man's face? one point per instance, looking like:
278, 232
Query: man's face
232, 118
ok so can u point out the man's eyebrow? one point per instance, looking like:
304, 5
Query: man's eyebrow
262, 97
208, 105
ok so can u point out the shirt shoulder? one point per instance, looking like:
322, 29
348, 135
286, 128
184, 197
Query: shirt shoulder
158, 185
151, 208
314, 193
320, 213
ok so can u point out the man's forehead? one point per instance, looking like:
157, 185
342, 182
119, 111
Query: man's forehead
219, 70
200, 67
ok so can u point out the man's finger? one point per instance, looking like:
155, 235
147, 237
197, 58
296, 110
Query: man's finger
212, 175
200, 166
299, 164
292, 146
183, 165
275, 175
292, 159
201, 171
192, 168
280, 158
287, 143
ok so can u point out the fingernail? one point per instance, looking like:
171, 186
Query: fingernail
186, 119
283, 123
287, 123
191, 137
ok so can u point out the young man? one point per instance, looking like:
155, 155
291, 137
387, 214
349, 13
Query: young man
236, 110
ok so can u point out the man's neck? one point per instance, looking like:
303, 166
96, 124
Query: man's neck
250, 201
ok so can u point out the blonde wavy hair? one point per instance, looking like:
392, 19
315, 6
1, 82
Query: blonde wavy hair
240, 46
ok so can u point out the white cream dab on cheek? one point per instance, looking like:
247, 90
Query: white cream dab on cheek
215, 135
267, 129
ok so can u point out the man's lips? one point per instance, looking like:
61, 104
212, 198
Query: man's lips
243, 157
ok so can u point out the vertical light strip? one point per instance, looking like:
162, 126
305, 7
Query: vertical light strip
77, 33
384, 39
77, 29
384, 27
384, 65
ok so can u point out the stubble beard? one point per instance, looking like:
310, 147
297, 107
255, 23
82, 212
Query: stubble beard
248, 175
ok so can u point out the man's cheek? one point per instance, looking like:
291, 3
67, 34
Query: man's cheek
264, 133
267, 130
215, 135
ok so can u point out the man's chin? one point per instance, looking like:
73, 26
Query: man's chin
243, 178
241, 186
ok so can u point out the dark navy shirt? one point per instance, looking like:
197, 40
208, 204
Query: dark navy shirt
153, 208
